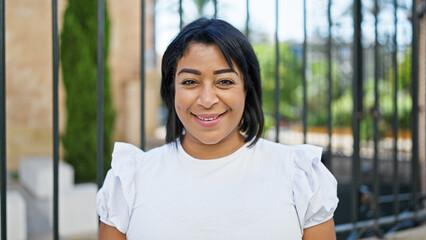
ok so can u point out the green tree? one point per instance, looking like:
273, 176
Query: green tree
290, 69
79, 73
404, 93
342, 105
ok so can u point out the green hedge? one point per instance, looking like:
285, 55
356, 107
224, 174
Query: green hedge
79, 74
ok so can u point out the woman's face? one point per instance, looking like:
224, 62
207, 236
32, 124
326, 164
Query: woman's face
209, 96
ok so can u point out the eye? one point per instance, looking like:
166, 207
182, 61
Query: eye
226, 82
188, 82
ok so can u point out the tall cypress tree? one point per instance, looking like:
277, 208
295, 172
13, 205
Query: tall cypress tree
79, 73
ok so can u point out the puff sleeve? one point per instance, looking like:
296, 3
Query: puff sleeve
114, 201
314, 187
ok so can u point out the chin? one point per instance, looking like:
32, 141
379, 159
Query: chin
205, 139
209, 141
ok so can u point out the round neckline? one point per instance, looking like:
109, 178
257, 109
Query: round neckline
187, 157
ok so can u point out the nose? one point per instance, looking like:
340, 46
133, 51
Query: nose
207, 97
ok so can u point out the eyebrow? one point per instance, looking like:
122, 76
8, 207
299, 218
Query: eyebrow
196, 72
228, 70
189, 70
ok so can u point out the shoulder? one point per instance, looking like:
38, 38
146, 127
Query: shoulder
314, 187
116, 198
125, 154
296, 154
269, 147
287, 160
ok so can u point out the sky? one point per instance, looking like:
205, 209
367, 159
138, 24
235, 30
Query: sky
290, 23
262, 17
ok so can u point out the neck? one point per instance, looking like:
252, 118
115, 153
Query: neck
221, 149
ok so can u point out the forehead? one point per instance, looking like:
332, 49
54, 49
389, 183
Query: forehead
201, 54
201, 50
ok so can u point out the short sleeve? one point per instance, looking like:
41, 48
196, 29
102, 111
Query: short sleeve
115, 199
314, 187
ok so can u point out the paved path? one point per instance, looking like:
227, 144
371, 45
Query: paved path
417, 233
38, 222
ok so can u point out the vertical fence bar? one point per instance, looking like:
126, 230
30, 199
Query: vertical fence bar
330, 84
395, 125
376, 117
100, 91
357, 108
415, 108
277, 78
304, 60
55, 66
142, 74
180, 15
247, 18
215, 8
3, 121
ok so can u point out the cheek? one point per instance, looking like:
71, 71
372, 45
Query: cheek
179, 109
178, 103
240, 101
182, 101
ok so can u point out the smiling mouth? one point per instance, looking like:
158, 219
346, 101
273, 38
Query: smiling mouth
208, 117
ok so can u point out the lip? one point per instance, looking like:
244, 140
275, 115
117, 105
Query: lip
208, 120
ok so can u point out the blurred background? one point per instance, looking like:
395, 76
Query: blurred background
347, 75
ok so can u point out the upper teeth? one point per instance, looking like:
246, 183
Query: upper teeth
208, 119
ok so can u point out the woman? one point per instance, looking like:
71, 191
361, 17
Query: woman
215, 178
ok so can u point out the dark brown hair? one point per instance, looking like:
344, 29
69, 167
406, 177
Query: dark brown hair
235, 48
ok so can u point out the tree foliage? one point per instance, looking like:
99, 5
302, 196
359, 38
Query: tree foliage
79, 74
291, 92
290, 68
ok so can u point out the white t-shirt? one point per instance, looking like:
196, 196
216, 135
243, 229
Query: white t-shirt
269, 191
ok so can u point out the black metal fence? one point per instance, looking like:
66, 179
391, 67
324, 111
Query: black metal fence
3, 121
375, 223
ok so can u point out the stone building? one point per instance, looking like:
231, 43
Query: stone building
29, 74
